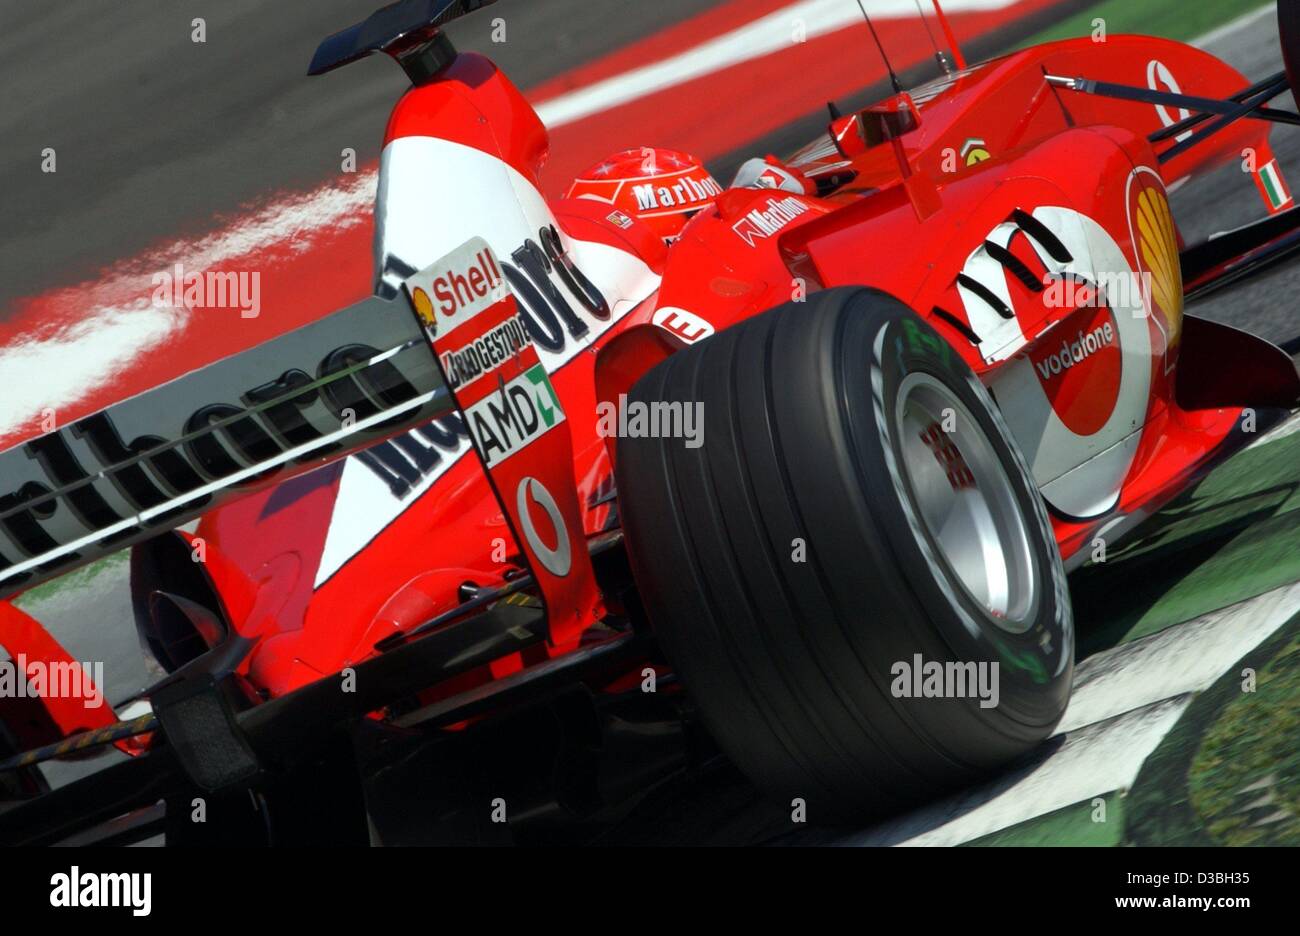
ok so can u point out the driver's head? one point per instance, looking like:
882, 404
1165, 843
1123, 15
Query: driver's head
661, 187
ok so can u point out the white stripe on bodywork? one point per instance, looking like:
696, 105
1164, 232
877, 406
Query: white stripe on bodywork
434, 194
1097, 464
999, 337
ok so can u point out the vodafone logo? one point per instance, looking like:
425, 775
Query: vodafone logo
1080, 372
557, 559
1160, 78
1076, 395
1076, 352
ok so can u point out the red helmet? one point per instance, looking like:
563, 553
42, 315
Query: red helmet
661, 187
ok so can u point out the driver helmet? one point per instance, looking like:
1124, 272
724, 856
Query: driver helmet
661, 187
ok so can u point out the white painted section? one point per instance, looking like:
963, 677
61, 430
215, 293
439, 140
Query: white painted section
1092, 761
1185, 658
434, 195
999, 338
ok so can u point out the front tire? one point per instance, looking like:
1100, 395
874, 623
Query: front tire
856, 502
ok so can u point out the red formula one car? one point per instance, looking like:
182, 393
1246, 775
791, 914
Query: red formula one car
765, 467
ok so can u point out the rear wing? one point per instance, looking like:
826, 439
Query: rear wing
158, 460
407, 30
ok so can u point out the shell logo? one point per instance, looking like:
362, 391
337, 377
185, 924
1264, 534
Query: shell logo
1155, 241
423, 306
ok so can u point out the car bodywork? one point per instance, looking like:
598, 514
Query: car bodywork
1028, 222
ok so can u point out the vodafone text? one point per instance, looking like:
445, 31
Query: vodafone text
1077, 351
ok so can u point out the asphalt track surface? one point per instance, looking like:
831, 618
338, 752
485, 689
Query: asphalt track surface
155, 133
243, 122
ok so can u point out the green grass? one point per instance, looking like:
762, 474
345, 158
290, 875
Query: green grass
1183, 20
1244, 782
75, 580
1231, 537
1228, 773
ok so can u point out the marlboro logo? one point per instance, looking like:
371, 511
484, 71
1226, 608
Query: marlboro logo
459, 287
764, 222
688, 191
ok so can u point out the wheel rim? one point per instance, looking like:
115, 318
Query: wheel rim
964, 498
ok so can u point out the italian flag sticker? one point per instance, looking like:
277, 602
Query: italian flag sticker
1273, 187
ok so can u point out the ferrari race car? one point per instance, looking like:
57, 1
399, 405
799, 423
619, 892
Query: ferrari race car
595, 487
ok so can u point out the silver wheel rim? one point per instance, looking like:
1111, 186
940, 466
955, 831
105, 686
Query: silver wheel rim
963, 496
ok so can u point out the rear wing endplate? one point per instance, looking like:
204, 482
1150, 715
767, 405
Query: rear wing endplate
158, 460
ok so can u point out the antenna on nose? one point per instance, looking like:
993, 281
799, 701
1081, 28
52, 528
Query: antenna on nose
893, 78
957, 58
939, 57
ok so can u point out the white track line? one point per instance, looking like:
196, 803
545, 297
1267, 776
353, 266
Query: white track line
1288, 428
1092, 761
1183, 658
1125, 701
1245, 21
56, 366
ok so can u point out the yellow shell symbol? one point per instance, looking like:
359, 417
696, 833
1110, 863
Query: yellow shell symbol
423, 305
1159, 246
